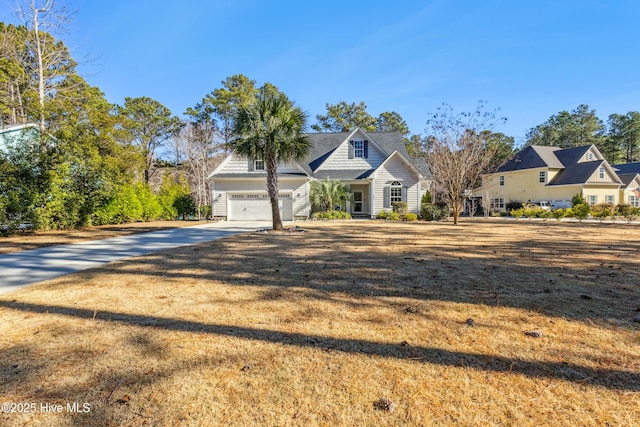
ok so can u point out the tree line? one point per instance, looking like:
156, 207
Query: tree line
104, 156
94, 162
618, 139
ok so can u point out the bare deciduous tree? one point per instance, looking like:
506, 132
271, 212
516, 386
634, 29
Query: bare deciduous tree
196, 146
456, 151
52, 59
14, 80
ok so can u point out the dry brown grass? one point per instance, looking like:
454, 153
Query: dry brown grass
313, 328
23, 241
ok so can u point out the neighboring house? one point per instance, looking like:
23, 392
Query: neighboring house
11, 136
552, 174
376, 167
629, 174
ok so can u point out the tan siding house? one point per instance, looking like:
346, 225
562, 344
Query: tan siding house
629, 174
553, 175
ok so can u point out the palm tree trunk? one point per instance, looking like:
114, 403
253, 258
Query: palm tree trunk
272, 189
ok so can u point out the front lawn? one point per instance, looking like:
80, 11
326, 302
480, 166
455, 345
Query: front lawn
315, 328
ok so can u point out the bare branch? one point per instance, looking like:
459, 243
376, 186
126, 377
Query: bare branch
456, 151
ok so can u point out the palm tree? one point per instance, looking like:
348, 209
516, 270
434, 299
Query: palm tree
325, 194
272, 129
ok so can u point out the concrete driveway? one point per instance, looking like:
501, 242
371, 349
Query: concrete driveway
24, 268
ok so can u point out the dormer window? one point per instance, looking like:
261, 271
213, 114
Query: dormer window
258, 165
601, 172
590, 155
358, 149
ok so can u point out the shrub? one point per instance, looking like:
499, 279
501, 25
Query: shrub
628, 212
434, 212
330, 215
382, 214
559, 213
513, 205
531, 211
410, 217
400, 207
151, 209
426, 198
394, 216
171, 190
581, 211
123, 207
602, 211
205, 211
545, 214
517, 213
185, 206
578, 199
327, 193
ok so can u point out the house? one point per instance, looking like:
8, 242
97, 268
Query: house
14, 135
629, 174
376, 167
552, 174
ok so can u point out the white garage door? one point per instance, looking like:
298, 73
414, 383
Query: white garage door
256, 207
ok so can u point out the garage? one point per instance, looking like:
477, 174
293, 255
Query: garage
257, 207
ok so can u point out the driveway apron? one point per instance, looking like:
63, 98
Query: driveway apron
24, 268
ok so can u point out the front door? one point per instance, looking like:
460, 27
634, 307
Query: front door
357, 201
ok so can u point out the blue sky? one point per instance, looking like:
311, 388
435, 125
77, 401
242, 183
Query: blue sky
531, 59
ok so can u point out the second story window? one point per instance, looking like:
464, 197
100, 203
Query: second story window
358, 147
601, 172
258, 165
542, 177
501, 180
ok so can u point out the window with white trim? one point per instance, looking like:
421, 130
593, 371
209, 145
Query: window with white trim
396, 192
501, 180
601, 172
634, 200
542, 177
358, 149
593, 199
497, 203
609, 199
590, 155
258, 165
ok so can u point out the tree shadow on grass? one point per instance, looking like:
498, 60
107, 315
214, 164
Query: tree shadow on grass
609, 378
566, 276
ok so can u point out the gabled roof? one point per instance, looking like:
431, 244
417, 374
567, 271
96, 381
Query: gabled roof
626, 168
571, 156
402, 158
532, 157
571, 170
324, 144
628, 178
421, 164
577, 173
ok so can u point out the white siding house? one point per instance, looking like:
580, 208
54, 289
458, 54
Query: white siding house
376, 167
